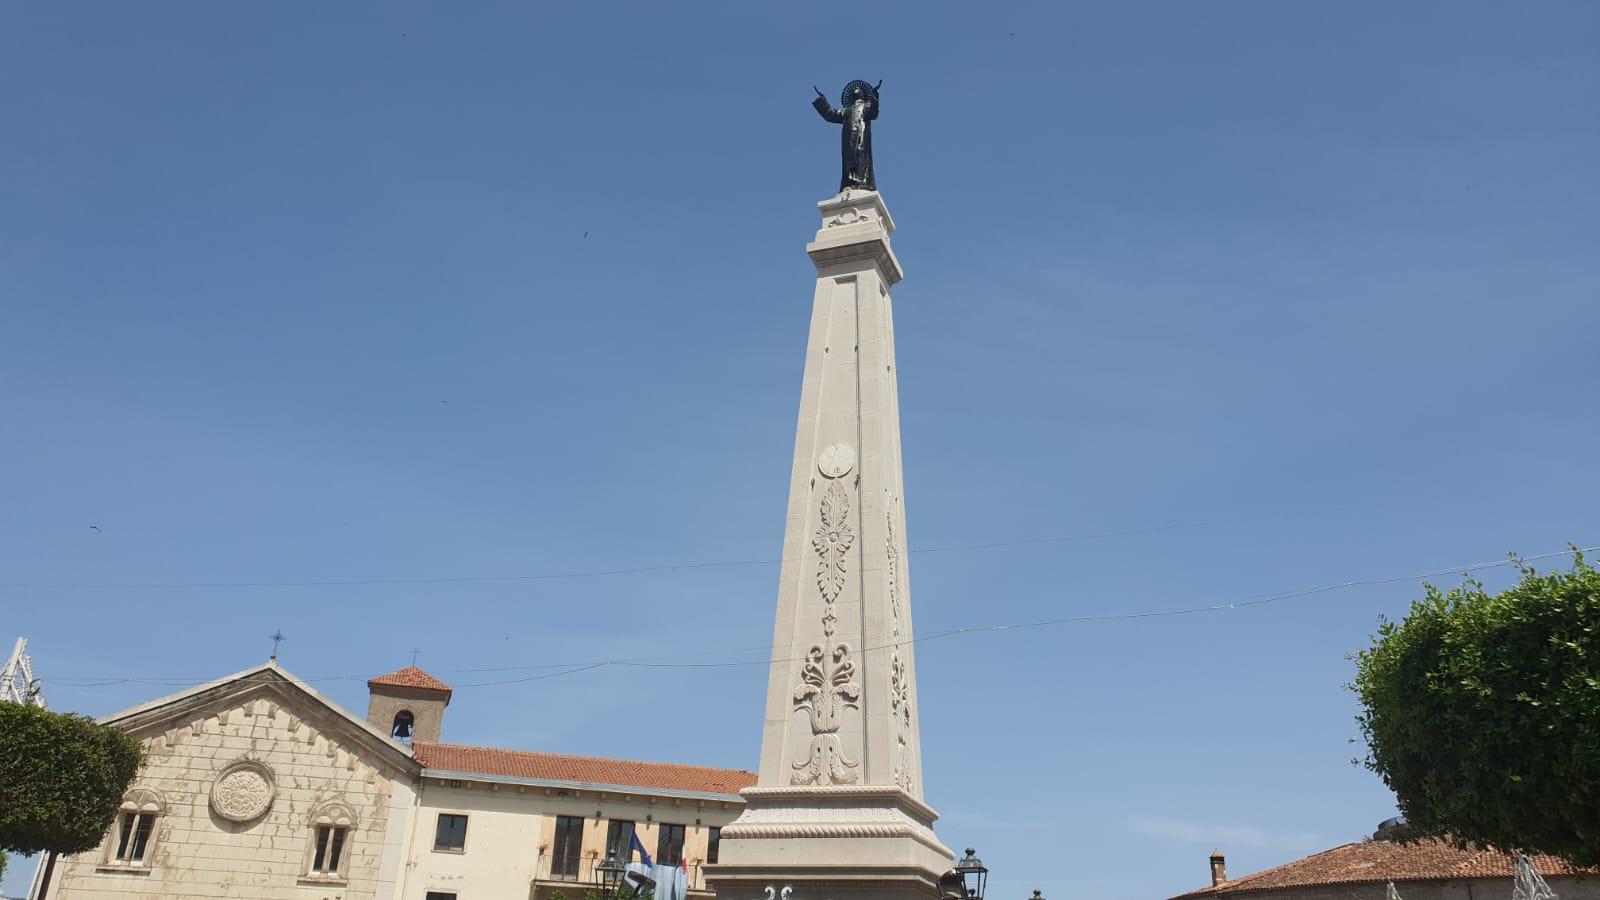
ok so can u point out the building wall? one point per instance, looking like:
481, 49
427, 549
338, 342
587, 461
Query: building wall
511, 832
198, 853
1465, 889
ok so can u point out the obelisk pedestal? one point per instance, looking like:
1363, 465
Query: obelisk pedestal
837, 811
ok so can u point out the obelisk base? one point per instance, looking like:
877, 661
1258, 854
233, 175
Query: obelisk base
830, 843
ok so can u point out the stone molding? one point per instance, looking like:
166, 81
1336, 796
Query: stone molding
852, 811
855, 226
843, 794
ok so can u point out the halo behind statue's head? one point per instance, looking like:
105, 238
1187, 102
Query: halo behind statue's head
856, 90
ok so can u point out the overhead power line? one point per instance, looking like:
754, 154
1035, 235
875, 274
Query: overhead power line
564, 670
624, 570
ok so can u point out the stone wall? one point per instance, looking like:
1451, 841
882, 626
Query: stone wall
426, 708
198, 851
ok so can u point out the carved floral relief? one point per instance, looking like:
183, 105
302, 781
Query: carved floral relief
832, 541
827, 688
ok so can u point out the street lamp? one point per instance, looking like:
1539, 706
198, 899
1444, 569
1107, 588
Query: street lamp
974, 874
610, 873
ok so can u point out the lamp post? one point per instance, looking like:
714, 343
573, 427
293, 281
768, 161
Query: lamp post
974, 874
610, 874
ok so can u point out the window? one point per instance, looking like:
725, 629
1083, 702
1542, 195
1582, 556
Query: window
669, 845
133, 837
133, 832
619, 839
713, 844
329, 849
451, 832
568, 848
440, 895
404, 724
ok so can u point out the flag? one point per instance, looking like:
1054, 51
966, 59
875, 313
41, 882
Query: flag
639, 846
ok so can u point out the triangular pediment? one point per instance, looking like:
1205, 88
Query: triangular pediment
285, 707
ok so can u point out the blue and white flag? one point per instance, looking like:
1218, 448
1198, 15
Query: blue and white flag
638, 845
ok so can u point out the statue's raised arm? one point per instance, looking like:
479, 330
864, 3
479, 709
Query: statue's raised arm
858, 107
825, 109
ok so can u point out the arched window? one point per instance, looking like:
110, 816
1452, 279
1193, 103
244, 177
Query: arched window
404, 724
328, 856
133, 835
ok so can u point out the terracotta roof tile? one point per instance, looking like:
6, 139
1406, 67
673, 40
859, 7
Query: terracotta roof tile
1428, 860
559, 767
411, 677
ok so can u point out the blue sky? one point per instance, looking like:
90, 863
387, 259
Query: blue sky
302, 293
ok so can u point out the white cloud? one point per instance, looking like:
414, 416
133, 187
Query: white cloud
1222, 836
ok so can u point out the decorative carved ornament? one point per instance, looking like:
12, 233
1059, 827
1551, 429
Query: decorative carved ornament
903, 778
892, 566
851, 215
143, 800
832, 541
827, 688
334, 812
836, 460
899, 689
244, 791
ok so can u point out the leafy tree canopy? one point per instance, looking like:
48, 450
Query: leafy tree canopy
62, 778
1482, 713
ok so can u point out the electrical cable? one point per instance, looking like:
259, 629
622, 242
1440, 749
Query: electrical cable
629, 570
654, 663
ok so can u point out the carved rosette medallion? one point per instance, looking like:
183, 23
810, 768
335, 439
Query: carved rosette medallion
243, 792
836, 460
827, 688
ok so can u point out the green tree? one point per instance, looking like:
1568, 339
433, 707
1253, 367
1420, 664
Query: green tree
1482, 713
62, 778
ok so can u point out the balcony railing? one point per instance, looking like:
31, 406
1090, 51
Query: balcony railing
585, 878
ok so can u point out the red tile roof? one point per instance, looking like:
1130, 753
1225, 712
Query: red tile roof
1428, 860
411, 677
559, 767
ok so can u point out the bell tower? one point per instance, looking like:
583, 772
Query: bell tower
407, 705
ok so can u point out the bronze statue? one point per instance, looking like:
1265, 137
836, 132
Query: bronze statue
860, 107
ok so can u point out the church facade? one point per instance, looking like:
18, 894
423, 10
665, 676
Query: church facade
256, 786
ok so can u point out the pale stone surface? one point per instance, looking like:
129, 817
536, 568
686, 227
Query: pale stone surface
838, 807
263, 750
241, 770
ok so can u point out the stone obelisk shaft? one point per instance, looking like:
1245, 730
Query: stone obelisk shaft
839, 796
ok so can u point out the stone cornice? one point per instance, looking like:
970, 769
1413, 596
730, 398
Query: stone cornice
846, 793
855, 227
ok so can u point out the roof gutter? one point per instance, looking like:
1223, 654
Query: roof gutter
718, 796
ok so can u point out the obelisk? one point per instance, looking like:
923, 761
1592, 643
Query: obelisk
837, 811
